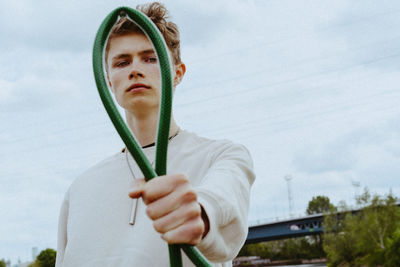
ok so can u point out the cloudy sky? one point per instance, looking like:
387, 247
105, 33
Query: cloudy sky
310, 87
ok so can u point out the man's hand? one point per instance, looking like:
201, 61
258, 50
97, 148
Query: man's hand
172, 205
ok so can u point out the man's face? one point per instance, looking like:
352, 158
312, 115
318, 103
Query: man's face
133, 72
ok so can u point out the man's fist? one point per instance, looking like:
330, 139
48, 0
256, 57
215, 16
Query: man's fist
172, 205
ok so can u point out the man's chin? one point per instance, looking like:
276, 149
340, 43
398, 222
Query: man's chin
140, 105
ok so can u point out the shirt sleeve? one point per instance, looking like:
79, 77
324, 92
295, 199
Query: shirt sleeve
62, 231
224, 194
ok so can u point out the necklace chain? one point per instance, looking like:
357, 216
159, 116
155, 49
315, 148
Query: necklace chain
132, 217
129, 165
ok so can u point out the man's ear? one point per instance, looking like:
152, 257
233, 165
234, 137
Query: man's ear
180, 70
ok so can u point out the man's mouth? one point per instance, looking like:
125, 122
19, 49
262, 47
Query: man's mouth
137, 86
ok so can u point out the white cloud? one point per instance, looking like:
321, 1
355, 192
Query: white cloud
369, 155
289, 79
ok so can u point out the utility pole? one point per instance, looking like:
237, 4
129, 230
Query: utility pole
288, 178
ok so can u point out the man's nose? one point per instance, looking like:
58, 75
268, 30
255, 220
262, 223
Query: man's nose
134, 74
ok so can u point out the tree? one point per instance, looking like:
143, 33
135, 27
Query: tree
262, 250
392, 255
46, 258
34, 264
2, 263
317, 205
340, 240
368, 237
320, 204
285, 249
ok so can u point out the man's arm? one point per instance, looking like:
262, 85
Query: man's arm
224, 193
212, 216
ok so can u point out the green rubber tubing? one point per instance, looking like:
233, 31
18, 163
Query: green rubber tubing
134, 148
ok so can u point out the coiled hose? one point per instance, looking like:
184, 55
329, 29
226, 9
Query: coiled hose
160, 47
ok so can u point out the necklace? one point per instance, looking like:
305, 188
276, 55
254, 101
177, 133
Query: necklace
132, 217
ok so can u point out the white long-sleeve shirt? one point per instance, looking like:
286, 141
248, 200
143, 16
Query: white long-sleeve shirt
94, 227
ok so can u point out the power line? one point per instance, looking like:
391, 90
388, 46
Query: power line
275, 131
273, 99
187, 89
270, 85
299, 78
298, 116
371, 61
359, 20
262, 100
261, 44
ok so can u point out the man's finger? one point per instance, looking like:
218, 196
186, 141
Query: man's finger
181, 195
137, 188
178, 217
161, 186
189, 233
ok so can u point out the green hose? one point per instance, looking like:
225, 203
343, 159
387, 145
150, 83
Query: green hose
156, 38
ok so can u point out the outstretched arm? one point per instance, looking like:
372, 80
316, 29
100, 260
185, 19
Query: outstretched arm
224, 193
213, 215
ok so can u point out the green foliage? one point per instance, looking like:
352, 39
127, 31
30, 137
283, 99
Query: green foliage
320, 204
258, 249
317, 205
366, 238
2, 263
392, 254
287, 249
310, 247
46, 258
34, 264
340, 240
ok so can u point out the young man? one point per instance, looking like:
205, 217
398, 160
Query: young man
202, 201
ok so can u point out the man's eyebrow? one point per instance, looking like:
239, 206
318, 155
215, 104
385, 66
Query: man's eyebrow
120, 56
143, 52
147, 51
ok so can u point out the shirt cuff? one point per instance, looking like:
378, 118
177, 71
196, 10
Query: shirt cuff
206, 244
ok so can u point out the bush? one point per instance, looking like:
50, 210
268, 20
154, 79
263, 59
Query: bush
366, 238
46, 258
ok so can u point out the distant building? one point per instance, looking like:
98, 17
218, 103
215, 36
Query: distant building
35, 253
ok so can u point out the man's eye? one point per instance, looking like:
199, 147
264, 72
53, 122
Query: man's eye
150, 59
121, 63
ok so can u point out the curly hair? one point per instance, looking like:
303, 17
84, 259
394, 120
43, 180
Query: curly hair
160, 17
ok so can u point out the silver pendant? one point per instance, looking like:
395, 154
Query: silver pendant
132, 218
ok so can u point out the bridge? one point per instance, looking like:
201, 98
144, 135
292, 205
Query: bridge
308, 225
297, 227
